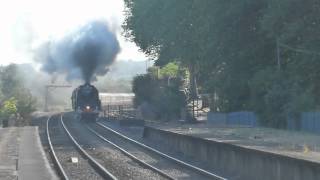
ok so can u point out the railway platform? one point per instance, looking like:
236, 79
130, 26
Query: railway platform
273, 154
22, 155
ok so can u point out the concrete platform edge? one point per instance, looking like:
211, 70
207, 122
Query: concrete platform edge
33, 162
236, 160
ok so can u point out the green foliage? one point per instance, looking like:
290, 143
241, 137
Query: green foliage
26, 103
166, 98
231, 47
16, 100
143, 86
154, 71
170, 70
9, 108
10, 80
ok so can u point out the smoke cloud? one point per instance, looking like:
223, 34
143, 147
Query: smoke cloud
82, 54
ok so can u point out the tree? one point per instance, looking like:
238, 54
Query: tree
143, 86
205, 36
165, 98
15, 98
26, 103
170, 70
232, 48
10, 80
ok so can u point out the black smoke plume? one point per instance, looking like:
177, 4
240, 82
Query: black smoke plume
81, 54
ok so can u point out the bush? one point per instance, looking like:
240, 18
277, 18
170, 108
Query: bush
16, 99
275, 95
7, 110
161, 92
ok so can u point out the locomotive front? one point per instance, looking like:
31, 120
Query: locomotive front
86, 102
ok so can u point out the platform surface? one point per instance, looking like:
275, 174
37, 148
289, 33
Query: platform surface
294, 144
22, 156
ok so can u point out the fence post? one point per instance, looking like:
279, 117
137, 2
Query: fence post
108, 114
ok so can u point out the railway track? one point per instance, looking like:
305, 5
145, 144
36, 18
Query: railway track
69, 137
117, 163
136, 159
53, 154
166, 165
59, 139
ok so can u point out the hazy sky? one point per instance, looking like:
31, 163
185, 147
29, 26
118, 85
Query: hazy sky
26, 23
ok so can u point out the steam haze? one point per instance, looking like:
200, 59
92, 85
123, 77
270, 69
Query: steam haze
82, 54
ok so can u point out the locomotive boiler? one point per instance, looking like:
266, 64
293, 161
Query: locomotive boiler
86, 102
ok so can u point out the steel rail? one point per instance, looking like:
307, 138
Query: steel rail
100, 169
131, 156
55, 159
187, 165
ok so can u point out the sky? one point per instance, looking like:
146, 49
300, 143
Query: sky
28, 23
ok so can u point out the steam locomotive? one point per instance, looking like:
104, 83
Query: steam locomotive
86, 102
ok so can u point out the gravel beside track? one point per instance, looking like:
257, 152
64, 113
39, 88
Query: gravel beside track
115, 161
64, 150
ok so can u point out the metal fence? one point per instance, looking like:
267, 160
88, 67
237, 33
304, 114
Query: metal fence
308, 121
243, 118
119, 111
